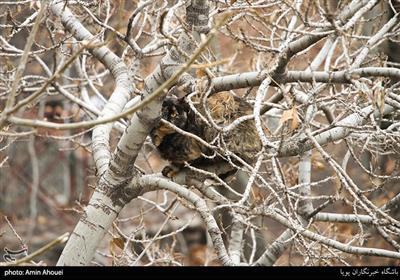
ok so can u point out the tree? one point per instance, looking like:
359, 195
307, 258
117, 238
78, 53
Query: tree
324, 99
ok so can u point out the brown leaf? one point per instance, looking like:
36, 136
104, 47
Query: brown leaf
290, 116
379, 96
114, 244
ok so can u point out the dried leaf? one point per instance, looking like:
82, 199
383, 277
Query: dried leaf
286, 116
119, 242
290, 116
116, 243
379, 96
295, 120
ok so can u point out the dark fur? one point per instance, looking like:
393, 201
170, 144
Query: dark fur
224, 109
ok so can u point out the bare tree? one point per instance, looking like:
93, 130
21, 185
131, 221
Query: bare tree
321, 84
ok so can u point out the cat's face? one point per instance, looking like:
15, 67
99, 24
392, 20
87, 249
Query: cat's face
175, 111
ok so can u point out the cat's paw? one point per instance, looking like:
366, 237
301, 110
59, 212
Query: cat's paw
170, 171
